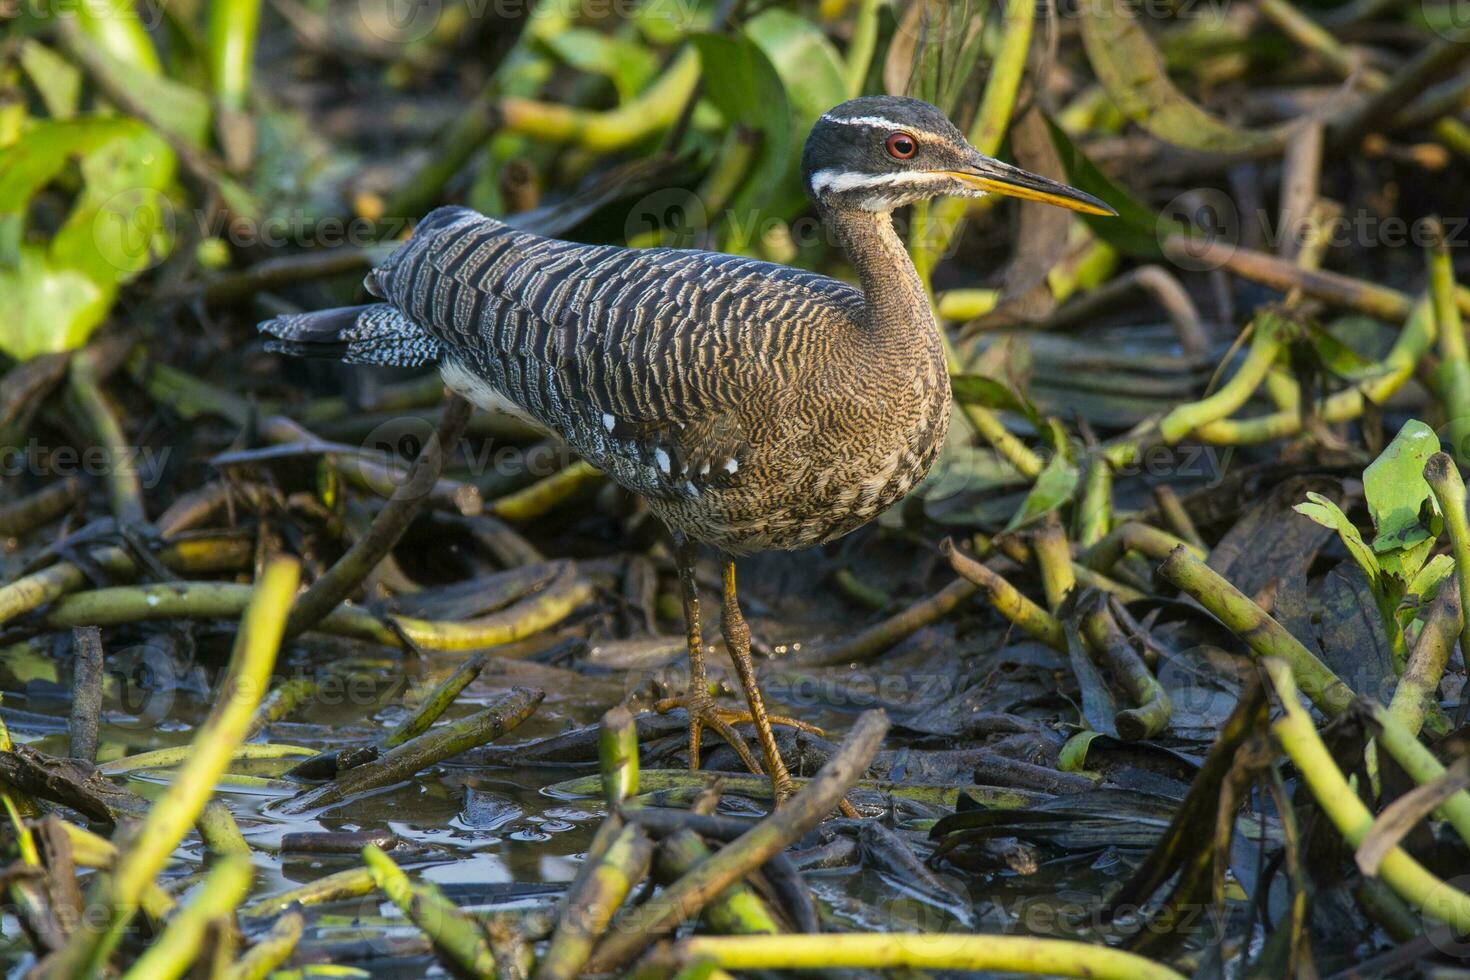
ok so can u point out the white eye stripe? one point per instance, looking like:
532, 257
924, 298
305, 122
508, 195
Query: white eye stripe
879, 122
830, 181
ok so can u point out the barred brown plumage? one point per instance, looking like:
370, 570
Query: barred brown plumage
755, 406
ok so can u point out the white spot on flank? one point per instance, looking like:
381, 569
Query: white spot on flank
704, 470
608, 422
662, 458
731, 466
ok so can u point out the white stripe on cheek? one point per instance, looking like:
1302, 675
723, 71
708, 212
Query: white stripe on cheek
830, 181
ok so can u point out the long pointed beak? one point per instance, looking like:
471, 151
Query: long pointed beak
1001, 178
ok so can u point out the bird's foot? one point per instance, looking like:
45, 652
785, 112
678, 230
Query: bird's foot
705, 713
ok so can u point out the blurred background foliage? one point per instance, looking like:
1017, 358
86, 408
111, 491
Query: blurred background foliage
505, 104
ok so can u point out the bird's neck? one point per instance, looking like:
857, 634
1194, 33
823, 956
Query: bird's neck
897, 303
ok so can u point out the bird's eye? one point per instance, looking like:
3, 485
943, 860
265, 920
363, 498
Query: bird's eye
901, 146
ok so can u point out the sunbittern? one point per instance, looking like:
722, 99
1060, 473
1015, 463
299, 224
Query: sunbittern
754, 405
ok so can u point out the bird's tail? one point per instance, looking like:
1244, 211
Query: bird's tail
374, 334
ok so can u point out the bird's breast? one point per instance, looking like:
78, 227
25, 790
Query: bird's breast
826, 464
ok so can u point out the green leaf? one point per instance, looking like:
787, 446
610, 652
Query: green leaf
808, 65
57, 80
744, 87
1132, 70
776, 79
1073, 757
53, 295
1053, 488
1396, 491
34, 161
627, 65
1328, 514
180, 109
1339, 359
46, 308
1426, 583
1135, 230
978, 389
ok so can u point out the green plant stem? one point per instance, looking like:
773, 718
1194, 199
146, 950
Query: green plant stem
860, 47
617, 755
437, 702
1016, 549
547, 493
1449, 492
589, 912
1171, 509
118, 30
737, 910
1007, 599
936, 225
1452, 377
884, 634
42, 507
270, 950
39, 588
283, 699
602, 131
1011, 449
175, 755
223, 600
1054, 558
220, 832
91, 851
233, 26
1378, 301
1151, 711
1264, 636
1095, 516
419, 753
351, 883
925, 951
1133, 536
1421, 765
171, 954
1418, 688
1396, 368
1298, 738
1265, 347
813, 802
671, 787
457, 937
148, 850
123, 485
339, 581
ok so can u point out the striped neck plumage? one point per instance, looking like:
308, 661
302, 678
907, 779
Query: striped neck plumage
897, 303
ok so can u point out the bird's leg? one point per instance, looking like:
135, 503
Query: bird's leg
697, 701
737, 642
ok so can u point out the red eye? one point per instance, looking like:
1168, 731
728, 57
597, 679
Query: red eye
901, 145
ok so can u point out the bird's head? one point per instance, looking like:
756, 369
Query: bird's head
881, 152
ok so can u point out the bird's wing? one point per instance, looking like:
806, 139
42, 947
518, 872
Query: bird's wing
648, 351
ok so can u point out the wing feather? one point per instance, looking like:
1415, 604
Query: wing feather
670, 345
